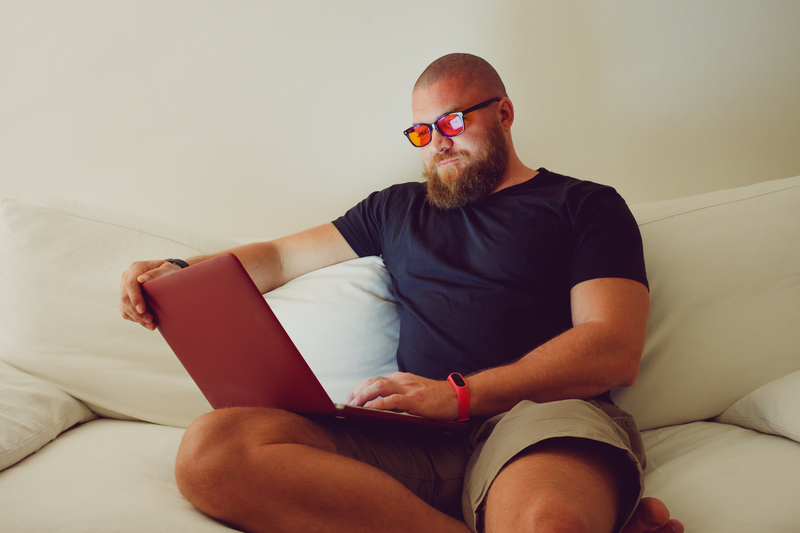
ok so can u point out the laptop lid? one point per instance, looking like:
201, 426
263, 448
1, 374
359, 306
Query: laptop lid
231, 343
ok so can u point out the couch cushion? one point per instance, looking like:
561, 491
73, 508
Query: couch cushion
106, 475
717, 477
724, 271
60, 266
32, 413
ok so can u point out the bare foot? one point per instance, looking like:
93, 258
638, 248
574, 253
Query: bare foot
652, 516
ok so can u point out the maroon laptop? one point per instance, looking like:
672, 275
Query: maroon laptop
224, 333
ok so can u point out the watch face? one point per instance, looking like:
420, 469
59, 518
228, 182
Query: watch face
458, 380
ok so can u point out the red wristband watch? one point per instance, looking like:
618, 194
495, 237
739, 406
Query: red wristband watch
462, 392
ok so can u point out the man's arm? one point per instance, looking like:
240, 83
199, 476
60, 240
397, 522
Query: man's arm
600, 352
270, 264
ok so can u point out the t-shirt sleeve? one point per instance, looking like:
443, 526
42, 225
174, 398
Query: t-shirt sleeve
361, 225
606, 240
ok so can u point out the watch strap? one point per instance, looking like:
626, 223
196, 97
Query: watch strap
180, 262
462, 392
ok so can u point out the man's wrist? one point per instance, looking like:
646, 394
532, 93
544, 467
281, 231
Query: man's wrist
459, 384
179, 262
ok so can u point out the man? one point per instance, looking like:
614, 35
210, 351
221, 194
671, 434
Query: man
528, 283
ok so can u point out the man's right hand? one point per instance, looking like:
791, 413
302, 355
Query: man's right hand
132, 305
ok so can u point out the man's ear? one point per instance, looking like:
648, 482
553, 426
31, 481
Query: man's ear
506, 110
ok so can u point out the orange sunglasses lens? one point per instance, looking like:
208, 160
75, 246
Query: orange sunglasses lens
450, 125
419, 135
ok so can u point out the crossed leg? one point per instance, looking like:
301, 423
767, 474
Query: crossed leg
273, 471
567, 485
560, 485
268, 470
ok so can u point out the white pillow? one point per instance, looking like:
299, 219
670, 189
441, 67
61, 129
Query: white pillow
32, 413
773, 408
344, 321
60, 266
724, 271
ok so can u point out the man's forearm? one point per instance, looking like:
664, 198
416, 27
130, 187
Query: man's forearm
261, 260
581, 363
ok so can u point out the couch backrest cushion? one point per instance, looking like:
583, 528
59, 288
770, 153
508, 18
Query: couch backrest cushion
60, 266
724, 272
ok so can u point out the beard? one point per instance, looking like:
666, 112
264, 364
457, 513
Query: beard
452, 188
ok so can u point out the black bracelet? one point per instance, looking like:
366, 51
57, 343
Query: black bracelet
180, 262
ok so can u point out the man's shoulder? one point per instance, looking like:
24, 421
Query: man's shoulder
560, 190
562, 182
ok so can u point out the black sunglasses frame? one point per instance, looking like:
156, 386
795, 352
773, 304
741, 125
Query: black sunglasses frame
435, 125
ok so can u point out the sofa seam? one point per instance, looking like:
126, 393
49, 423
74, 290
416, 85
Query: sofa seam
735, 419
717, 205
115, 224
57, 422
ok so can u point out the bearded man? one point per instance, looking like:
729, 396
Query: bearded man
529, 283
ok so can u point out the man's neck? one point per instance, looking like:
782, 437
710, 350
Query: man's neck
517, 173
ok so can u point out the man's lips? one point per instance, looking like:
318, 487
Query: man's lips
447, 161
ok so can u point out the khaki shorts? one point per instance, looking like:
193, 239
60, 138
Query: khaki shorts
453, 472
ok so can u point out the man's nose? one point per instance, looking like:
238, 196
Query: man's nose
439, 142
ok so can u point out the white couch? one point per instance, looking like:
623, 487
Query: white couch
718, 396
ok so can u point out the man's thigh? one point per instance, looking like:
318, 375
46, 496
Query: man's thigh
603, 432
428, 461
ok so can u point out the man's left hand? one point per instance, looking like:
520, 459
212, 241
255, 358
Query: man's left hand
408, 393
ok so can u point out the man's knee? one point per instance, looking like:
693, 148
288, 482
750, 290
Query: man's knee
547, 512
549, 516
558, 485
216, 448
203, 464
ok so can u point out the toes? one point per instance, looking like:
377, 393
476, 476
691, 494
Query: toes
650, 516
673, 526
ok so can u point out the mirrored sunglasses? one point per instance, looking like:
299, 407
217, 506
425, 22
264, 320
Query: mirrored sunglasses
449, 125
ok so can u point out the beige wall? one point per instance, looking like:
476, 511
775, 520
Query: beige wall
261, 118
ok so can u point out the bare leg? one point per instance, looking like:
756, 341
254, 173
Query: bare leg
558, 485
268, 470
566, 485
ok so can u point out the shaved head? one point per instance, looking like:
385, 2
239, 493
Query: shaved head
472, 68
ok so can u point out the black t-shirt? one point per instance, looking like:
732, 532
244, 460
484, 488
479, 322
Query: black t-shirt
483, 285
